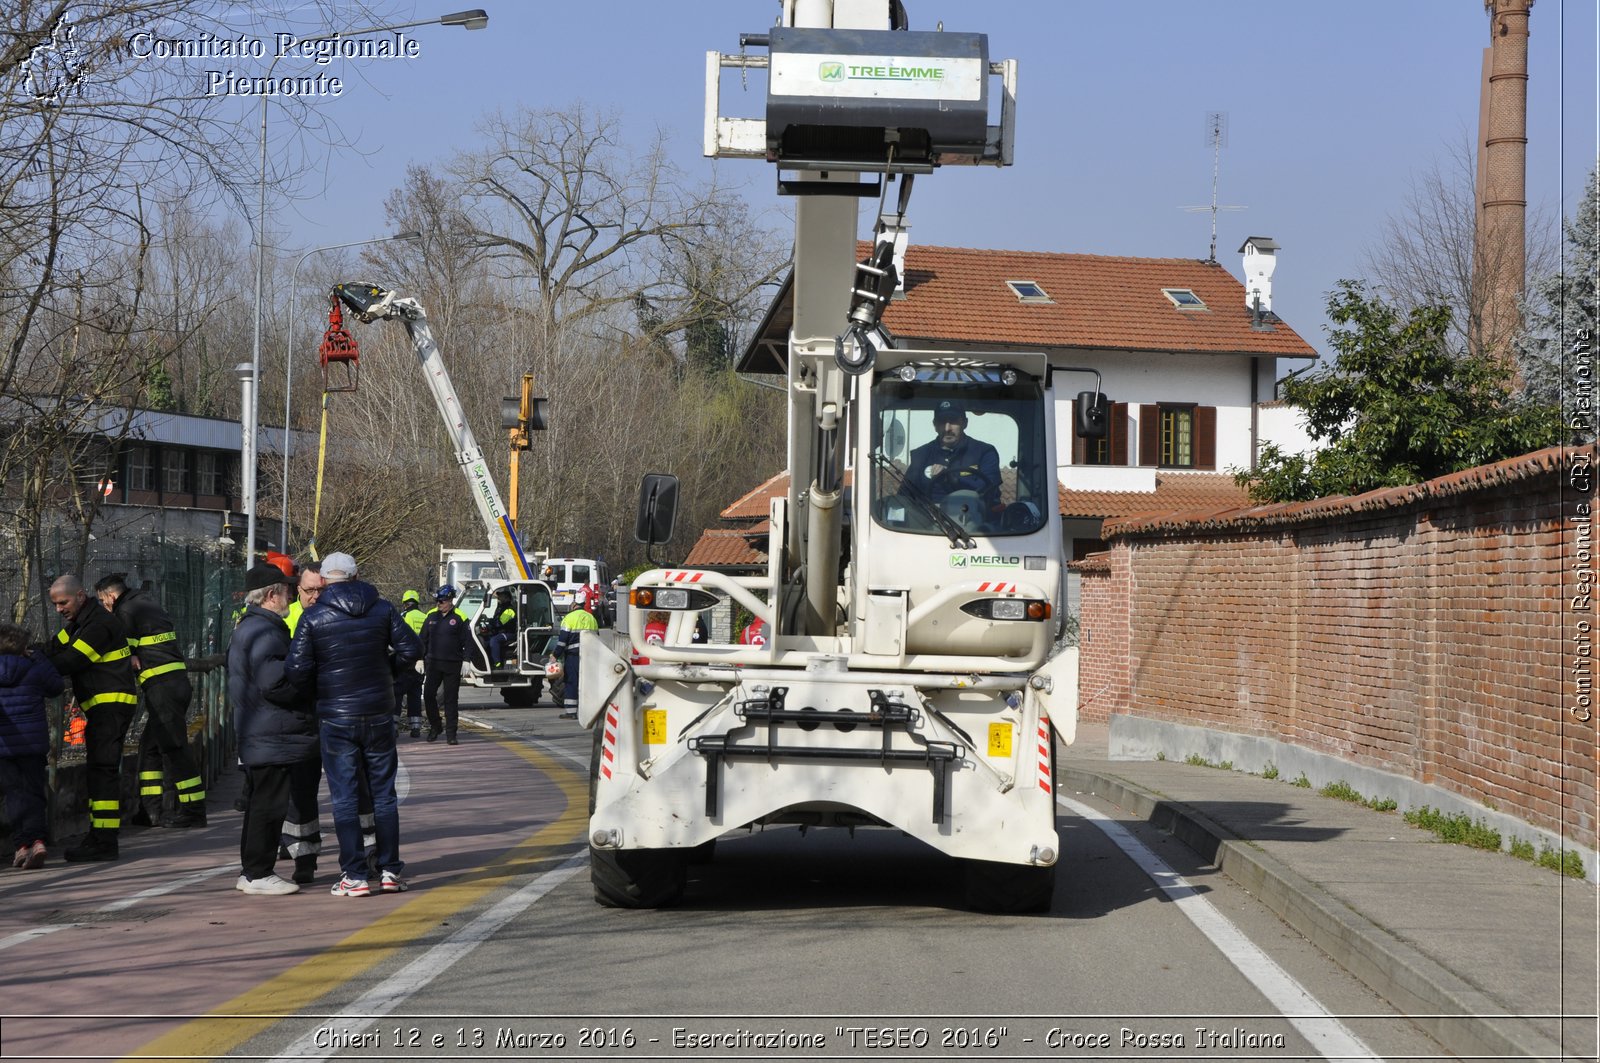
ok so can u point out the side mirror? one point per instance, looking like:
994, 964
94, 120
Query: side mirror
1093, 417
658, 508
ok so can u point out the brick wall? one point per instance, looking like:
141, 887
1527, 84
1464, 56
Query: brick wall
1434, 631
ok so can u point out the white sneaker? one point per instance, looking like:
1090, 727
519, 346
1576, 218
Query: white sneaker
350, 887
392, 883
268, 886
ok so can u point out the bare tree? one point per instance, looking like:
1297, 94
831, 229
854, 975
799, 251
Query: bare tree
581, 230
94, 141
1427, 256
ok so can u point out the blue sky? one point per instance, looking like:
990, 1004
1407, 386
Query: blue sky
1332, 110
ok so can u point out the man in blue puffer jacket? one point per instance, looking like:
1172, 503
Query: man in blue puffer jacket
346, 651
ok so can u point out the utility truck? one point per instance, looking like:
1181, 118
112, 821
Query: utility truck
906, 679
530, 598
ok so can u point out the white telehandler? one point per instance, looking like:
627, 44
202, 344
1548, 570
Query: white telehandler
906, 678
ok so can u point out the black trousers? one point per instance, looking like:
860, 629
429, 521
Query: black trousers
270, 786
104, 735
440, 690
164, 761
408, 695
300, 826
22, 779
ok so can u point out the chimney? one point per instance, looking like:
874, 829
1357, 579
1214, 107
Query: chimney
1500, 244
1260, 259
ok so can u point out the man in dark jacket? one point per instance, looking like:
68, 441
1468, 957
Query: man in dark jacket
345, 653
955, 462
274, 739
164, 747
446, 643
91, 650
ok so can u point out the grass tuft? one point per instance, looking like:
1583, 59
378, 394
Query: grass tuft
1343, 791
1459, 829
1568, 862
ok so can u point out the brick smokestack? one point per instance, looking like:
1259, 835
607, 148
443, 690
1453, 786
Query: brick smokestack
1499, 257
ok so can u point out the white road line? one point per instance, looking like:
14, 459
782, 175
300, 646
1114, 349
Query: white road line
1304, 1012
191, 879
399, 987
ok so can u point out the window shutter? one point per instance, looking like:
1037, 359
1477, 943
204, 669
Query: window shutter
1077, 440
1205, 437
1119, 433
1149, 433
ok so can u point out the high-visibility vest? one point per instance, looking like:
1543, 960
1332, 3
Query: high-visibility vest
76, 727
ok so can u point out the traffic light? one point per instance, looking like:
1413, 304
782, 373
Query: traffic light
524, 414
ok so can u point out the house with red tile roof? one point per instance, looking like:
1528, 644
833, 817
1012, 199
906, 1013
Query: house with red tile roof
1187, 358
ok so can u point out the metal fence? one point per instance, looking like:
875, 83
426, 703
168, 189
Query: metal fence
202, 590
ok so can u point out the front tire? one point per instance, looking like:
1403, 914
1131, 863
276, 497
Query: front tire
1009, 889
1013, 889
637, 878
633, 878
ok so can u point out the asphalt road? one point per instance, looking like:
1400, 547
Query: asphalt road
820, 945
788, 945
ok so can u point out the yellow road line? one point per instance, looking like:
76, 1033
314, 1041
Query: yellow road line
257, 1009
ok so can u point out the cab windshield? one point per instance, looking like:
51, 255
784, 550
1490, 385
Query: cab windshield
960, 451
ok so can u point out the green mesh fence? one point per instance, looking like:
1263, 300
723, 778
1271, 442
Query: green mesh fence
201, 590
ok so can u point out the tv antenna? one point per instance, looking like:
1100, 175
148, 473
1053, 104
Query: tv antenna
1217, 137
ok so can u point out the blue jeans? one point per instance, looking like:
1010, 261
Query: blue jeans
354, 746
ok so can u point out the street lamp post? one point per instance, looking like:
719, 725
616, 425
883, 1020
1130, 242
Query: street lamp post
475, 19
288, 361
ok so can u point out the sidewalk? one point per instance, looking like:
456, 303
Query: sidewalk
1484, 951
105, 960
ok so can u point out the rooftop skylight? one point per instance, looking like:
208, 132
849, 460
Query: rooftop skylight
1184, 299
1029, 291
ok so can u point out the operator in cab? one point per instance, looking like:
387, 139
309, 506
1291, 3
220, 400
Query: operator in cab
953, 461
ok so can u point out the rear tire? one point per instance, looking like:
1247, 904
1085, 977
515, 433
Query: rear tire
1010, 889
633, 878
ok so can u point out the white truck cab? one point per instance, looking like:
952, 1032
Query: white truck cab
568, 576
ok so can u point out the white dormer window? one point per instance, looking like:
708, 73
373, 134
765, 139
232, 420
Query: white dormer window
1184, 299
1029, 292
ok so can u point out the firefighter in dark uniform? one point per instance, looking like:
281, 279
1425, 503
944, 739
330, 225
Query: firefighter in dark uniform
92, 651
164, 748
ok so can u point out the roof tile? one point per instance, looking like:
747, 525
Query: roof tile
1097, 301
724, 548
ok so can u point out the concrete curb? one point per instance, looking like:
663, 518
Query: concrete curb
1457, 1014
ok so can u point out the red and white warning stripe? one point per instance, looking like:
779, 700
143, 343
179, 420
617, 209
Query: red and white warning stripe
683, 577
997, 588
608, 740
1044, 755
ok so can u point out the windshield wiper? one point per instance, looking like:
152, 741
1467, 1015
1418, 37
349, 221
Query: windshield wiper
952, 530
